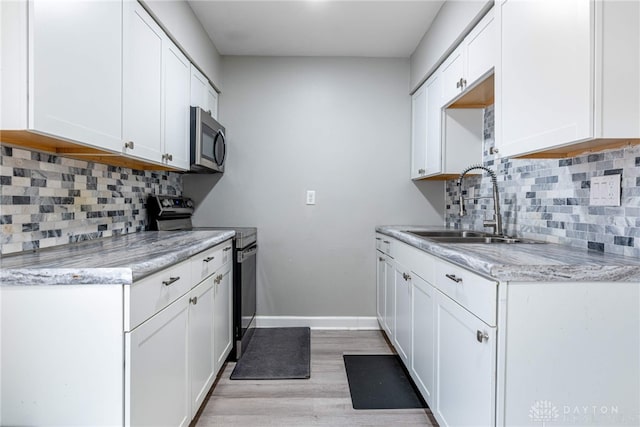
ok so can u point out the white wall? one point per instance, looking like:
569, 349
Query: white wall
340, 126
454, 20
179, 20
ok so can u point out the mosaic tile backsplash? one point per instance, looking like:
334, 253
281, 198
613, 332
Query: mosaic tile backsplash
549, 199
48, 200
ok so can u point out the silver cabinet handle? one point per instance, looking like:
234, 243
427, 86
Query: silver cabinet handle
129, 144
458, 84
228, 248
377, 238
421, 171
454, 278
218, 279
168, 157
463, 83
380, 258
209, 259
170, 281
482, 336
193, 300
406, 277
386, 241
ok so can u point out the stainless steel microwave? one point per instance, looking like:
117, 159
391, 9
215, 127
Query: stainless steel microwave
208, 145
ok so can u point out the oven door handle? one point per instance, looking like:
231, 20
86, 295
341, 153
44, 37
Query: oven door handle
246, 254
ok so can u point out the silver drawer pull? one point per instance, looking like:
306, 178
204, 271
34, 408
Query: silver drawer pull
454, 278
193, 300
228, 248
209, 259
170, 281
380, 258
482, 336
386, 241
406, 277
377, 238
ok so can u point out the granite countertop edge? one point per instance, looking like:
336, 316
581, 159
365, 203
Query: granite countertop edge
145, 253
524, 262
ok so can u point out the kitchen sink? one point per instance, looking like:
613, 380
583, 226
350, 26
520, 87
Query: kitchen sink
468, 236
486, 240
462, 234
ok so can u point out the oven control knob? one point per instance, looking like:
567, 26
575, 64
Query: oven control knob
189, 203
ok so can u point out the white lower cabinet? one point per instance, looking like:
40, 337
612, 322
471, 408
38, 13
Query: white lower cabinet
423, 337
202, 366
381, 271
223, 328
487, 353
144, 354
157, 369
465, 367
402, 339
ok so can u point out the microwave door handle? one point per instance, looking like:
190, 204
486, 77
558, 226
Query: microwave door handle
224, 147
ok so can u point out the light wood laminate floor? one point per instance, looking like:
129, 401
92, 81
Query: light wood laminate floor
322, 400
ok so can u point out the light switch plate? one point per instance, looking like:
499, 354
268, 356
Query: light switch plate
605, 190
311, 197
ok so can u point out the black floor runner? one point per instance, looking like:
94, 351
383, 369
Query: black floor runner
380, 382
276, 354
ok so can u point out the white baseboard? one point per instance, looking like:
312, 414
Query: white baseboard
319, 322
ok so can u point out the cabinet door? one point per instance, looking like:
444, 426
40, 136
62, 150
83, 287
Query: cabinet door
201, 359
142, 83
465, 366
419, 132
381, 272
481, 46
452, 72
223, 333
76, 60
176, 106
156, 369
390, 298
212, 101
422, 365
199, 85
434, 124
546, 61
403, 314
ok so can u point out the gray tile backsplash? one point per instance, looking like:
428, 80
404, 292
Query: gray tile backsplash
549, 199
48, 200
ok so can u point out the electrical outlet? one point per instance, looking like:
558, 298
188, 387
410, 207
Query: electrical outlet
605, 190
311, 197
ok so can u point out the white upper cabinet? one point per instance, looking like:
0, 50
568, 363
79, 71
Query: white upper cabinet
481, 49
212, 101
75, 69
156, 77
568, 75
419, 132
471, 61
426, 135
203, 95
452, 74
198, 88
142, 90
177, 70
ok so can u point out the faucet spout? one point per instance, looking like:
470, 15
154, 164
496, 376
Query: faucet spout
496, 222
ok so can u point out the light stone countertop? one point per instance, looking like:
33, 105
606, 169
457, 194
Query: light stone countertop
110, 260
546, 262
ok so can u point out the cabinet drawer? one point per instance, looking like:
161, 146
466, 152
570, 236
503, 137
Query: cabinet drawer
475, 293
384, 244
206, 262
153, 293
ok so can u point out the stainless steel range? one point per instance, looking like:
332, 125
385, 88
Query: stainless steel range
174, 213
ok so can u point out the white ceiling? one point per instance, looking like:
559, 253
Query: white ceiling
382, 28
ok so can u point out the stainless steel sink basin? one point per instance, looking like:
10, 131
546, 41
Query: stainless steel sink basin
485, 240
463, 234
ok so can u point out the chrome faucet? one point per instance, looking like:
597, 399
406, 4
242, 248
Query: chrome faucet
496, 222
